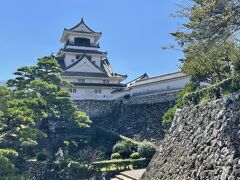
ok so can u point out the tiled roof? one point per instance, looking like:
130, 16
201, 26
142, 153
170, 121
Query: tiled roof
108, 69
81, 22
105, 68
99, 84
144, 76
87, 74
82, 51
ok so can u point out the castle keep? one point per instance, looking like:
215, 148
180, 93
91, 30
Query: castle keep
89, 70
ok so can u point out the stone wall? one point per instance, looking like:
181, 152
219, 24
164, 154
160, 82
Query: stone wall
95, 108
137, 117
203, 143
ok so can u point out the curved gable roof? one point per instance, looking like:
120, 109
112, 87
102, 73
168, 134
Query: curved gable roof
81, 23
79, 60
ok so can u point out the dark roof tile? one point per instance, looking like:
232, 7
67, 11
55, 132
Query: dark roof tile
82, 51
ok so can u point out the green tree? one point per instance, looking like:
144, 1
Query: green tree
210, 21
42, 83
12, 122
35, 96
208, 39
211, 64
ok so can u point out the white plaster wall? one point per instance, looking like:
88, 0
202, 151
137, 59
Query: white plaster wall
160, 86
68, 59
97, 59
154, 87
89, 94
82, 47
84, 66
90, 80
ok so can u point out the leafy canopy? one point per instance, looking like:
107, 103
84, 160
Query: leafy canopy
210, 39
35, 96
42, 88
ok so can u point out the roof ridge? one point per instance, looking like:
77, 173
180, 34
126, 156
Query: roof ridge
81, 22
139, 78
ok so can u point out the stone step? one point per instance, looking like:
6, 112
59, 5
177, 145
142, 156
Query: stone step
122, 177
133, 174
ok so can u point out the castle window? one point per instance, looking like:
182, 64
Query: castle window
81, 80
98, 91
73, 60
106, 81
82, 41
72, 90
77, 56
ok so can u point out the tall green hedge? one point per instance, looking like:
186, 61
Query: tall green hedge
216, 91
120, 164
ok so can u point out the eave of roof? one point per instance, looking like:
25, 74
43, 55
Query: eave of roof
107, 68
142, 83
139, 78
82, 22
94, 33
84, 74
82, 51
99, 84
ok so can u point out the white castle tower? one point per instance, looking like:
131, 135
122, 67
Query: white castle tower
87, 68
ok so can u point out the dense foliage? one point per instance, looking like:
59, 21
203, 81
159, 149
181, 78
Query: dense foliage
120, 164
135, 155
146, 149
35, 97
210, 21
209, 39
124, 148
116, 156
216, 91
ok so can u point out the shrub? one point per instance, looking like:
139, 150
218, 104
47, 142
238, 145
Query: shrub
29, 147
124, 148
215, 91
117, 163
76, 170
140, 163
89, 155
147, 149
42, 156
115, 156
168, 116
121, 164
135, 155
8, 153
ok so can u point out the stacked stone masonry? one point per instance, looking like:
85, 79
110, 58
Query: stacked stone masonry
136, 117
203, 143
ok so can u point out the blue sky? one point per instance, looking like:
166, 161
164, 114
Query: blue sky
133, 32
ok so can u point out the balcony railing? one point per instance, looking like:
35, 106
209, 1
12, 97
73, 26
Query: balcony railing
83, 45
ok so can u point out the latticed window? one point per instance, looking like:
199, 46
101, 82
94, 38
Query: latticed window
72, 90
98, 91
106, 81
82, 41
81, 80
